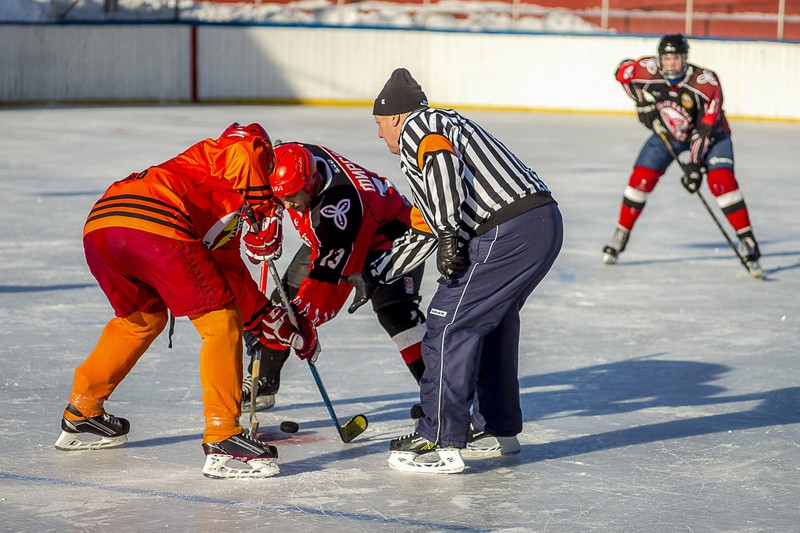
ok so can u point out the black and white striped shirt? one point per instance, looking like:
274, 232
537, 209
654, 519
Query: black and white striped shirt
459, 174
461, 177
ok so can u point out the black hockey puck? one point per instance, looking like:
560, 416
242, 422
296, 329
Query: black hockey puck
287, 426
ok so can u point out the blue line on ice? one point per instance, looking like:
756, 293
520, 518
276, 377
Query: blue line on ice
245, 503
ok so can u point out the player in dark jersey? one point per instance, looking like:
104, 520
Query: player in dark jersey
346, 216
687, 100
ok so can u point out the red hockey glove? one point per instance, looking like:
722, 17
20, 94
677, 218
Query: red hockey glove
264, 239
311, 347
276, 328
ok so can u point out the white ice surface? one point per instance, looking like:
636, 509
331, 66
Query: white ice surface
660, 394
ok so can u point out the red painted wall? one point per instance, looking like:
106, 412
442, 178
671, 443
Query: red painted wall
709, 21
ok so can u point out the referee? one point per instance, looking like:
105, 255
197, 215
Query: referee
499, 231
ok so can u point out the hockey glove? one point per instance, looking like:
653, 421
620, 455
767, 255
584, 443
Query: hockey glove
276, 328
647, 114
264, 239
364, 285
693, 178
451, 256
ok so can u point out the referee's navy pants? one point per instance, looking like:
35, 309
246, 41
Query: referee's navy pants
471, 344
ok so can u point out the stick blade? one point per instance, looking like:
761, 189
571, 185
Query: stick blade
354, 427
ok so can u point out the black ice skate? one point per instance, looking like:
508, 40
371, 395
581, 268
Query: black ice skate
240, 457
415, 453
265, 397
748, 249
616, 246
481, 443
82, 433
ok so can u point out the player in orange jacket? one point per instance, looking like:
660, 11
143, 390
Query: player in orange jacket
167, 238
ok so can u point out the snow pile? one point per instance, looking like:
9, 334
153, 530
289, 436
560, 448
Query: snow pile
452, 14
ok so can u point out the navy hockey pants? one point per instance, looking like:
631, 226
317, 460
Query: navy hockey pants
656, 156
471, 344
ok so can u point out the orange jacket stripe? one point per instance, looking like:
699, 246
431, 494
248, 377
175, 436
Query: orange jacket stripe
433, 143
417, 222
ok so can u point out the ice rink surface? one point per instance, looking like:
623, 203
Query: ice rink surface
659, 395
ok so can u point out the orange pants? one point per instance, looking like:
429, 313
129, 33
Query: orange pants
125, 340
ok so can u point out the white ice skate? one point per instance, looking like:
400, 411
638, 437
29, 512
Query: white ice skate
240, 457
481, 444
414, 453
441, 460
82, 433
617, 245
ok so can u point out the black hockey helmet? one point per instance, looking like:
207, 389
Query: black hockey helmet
674, 44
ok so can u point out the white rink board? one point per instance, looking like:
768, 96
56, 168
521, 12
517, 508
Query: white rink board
78, 63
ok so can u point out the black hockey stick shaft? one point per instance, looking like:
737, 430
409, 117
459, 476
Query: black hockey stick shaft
356, 425
660, 130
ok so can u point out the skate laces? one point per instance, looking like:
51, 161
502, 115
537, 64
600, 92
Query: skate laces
412, 442
747, 247
111, 420
619, 239
247, 386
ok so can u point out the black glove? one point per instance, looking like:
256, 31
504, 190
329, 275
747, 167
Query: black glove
647, 114
251, 342
451, 256
693, 177
365, 285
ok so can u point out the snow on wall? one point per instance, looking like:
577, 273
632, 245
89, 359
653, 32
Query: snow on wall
235, 63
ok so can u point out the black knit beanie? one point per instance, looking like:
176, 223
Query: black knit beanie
401, 94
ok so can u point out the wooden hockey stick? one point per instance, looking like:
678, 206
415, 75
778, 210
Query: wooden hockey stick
356, 425
255, 367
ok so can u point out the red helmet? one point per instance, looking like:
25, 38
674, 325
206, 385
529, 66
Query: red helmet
295, 169
242, 132
237, 131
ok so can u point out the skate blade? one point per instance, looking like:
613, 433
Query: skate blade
492, 446
70, 442
609, 259
217, 467
755, 270
447, 461
354, 427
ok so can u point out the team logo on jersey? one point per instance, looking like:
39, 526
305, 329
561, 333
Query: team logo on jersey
650, 64
676, 119
686, 101
222, 231
707, 77
337, 213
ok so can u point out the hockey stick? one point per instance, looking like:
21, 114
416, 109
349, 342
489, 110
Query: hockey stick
255, 369
661, 131
356, 425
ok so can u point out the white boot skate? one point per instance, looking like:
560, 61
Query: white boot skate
82, 433
240, 457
